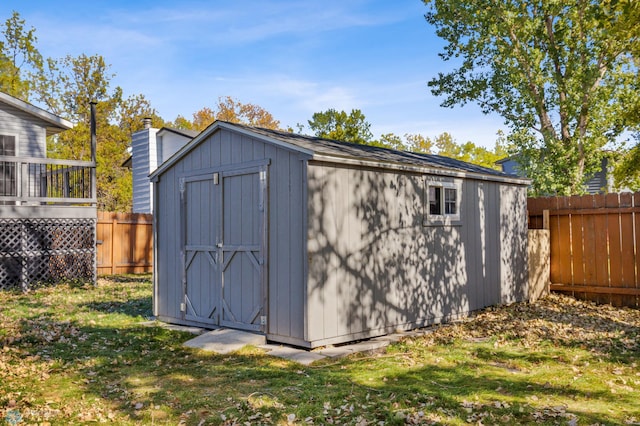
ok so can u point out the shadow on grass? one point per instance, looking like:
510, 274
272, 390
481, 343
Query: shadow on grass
145, 375
134, 307
131, 278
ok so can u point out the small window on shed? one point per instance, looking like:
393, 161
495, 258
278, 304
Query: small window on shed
450, 201
442, 201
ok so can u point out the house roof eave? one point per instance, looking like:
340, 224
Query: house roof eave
55, 123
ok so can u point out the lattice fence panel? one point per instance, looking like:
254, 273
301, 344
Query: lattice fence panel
46, 251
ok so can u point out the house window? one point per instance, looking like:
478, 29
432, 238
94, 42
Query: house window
442, 201
8, 168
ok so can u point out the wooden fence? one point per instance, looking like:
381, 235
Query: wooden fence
125, 243
595, 245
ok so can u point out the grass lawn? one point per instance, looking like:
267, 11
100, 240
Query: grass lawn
79, 354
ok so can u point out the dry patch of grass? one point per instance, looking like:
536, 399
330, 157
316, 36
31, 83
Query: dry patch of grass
79, 354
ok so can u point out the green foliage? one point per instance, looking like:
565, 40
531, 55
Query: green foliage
468, 151
389, 140
557, 72
627, 171
339, 125
19, 57
419, 143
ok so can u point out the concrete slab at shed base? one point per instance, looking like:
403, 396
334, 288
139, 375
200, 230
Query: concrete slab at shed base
225, 340
174, 327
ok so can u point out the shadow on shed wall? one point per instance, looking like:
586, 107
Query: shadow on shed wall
374, 267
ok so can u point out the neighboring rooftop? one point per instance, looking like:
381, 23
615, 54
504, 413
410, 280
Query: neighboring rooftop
182, 132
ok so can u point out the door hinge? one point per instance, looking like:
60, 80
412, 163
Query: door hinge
263, 175
263, 320
216, 178
183, 307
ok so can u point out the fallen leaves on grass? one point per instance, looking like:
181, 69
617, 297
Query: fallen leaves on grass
557, 319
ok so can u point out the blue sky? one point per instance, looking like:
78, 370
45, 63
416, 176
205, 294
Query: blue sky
293, 58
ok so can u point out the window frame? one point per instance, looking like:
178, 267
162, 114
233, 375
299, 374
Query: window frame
445, 186
16, 171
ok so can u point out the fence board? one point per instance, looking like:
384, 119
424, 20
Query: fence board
627, 250
601, 251
125, 243
577, 252
614, 242
594, 244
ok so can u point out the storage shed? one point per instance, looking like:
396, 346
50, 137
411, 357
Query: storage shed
315, 242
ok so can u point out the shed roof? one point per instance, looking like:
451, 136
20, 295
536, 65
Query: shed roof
54, 124
344, 152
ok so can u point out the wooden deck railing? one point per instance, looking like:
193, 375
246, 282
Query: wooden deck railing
46, 181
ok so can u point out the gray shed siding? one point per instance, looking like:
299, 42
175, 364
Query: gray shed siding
31, 132
374, 267
285, 232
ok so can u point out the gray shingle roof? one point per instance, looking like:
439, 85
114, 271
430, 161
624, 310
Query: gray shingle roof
343, 152
368, 152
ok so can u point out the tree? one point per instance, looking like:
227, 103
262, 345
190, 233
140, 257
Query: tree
389, 140
418, 143
556, 71
19, 57
231, 110
67, 86
448, 147
133, 110
337, 125
182, 123
626, 173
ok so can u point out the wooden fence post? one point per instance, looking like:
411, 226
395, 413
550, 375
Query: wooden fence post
545, 219
114, 225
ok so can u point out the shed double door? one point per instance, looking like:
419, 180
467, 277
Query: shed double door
223, 232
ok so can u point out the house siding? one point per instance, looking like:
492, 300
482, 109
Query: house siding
144, 161
374, 267
168, 144
31, 132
